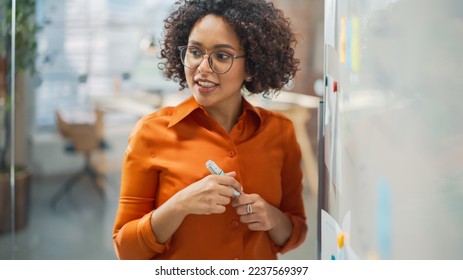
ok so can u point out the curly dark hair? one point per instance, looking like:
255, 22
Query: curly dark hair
264, 32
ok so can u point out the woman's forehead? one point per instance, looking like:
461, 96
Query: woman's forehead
213, 31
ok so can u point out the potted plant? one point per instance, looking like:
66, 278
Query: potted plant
25, 50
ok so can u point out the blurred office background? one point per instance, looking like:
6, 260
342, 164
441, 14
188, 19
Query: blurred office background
101, 54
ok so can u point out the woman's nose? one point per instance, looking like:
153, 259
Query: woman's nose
204, 66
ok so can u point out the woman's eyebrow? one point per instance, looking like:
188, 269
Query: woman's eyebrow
216, 46
226, 46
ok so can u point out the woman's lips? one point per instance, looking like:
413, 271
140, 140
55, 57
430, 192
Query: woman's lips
205, 86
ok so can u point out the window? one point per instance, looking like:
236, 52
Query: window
86, 47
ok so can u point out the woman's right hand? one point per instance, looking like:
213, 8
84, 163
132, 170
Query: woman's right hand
207, 196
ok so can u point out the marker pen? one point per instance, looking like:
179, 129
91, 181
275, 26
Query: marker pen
214, 169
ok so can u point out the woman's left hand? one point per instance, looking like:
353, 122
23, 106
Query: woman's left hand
257, 213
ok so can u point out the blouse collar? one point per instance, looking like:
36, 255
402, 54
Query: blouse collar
190, 105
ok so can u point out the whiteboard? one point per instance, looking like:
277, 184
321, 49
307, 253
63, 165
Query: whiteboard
393, 129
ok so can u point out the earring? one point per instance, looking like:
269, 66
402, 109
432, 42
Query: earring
248, 79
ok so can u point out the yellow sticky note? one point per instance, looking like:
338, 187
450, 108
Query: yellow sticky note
355, 44
340, 240
343, 40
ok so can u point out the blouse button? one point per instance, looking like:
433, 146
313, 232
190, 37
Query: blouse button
235, 224
231, 153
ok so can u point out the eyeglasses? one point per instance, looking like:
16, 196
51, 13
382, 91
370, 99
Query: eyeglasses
220, 62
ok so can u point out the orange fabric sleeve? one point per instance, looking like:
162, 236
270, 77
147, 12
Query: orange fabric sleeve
133, 237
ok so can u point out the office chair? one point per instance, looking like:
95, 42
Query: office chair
84, 139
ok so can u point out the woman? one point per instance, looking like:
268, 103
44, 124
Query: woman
170, 206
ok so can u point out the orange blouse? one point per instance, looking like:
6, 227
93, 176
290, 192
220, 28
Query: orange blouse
167, 151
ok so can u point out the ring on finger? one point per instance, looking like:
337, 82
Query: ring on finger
249, 208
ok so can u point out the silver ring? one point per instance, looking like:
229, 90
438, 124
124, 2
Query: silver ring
249, 208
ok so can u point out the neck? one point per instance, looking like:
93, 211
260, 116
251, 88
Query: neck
226, 117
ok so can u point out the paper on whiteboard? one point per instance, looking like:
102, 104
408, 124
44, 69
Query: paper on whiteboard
335, 239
